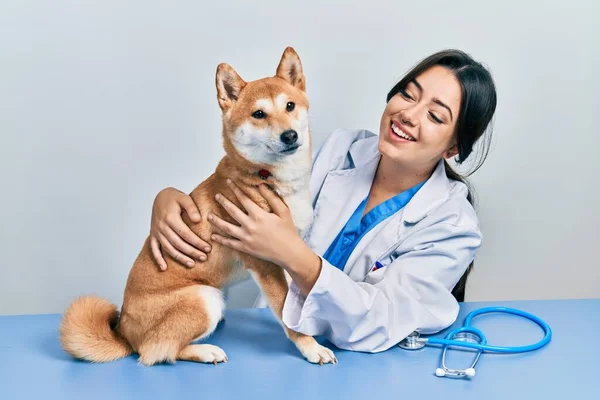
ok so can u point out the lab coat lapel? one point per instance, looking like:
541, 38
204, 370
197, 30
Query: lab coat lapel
373, 245
434, 192
341, 193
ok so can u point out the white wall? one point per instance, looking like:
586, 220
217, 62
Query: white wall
102, 104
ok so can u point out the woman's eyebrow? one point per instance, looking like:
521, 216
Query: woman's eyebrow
441, 103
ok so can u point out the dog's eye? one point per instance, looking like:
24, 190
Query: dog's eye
258, 114
290, 106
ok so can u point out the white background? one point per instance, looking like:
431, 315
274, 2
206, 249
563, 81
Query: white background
104, 103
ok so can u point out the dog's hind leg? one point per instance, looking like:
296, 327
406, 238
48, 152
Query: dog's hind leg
194, 316
204, 353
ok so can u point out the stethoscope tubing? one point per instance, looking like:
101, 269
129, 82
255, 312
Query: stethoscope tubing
483, 346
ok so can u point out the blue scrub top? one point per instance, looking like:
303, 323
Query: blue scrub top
358, 226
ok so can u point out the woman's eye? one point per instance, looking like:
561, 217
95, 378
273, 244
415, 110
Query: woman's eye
436, 119
404, 93
259, 114
290, 106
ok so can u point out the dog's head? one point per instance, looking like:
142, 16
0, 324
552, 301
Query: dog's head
267, 119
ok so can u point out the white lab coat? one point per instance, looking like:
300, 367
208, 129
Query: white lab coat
425, 249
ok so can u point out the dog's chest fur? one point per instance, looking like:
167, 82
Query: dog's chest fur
300, 207
294, 189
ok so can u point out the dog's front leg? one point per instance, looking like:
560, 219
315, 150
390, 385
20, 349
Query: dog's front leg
272, 281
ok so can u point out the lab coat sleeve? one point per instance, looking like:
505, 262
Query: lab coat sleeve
411, 293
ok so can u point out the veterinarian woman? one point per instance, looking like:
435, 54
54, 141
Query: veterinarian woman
394, 230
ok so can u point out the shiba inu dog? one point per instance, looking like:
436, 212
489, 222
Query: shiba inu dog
266, 140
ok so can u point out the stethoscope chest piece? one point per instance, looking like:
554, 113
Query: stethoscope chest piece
412, 342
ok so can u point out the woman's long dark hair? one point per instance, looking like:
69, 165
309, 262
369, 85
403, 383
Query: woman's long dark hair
478, 104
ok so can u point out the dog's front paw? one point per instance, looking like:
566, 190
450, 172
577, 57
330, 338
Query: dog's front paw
317, 354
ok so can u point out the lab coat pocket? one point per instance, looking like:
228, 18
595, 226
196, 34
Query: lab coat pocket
377, 270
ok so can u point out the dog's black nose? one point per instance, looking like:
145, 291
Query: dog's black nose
289, 137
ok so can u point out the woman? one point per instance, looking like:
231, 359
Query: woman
394, 230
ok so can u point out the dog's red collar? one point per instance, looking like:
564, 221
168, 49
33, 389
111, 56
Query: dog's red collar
264, 174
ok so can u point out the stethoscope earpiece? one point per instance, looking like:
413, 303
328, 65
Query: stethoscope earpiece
441, 372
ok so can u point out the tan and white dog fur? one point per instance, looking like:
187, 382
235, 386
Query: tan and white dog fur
164, 312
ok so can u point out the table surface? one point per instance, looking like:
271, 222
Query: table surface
262, 362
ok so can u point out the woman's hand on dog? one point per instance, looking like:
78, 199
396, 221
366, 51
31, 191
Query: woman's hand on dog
169, 232
260, 233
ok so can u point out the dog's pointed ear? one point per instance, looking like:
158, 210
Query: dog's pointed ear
290, 69
229, 86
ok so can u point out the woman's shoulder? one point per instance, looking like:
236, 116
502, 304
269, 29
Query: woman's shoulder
456, 210
340, 142
344, 138
450, 220
441, 200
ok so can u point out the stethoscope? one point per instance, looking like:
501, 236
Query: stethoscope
470, 337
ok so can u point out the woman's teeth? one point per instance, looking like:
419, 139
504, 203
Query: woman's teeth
403, 135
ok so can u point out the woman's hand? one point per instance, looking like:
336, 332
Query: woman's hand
168, 230
265, 235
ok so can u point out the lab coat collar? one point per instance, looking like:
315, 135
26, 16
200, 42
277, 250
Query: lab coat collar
344, 189
364, 151
433, 193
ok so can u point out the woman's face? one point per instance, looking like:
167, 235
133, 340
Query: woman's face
417, 125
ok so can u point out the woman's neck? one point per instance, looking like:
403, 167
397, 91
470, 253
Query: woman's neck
393, 178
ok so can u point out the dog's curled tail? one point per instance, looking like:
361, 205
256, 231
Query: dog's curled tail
87, 331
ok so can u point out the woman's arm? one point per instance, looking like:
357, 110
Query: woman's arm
413, 292
270, 236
